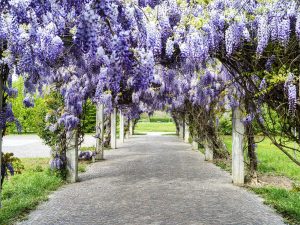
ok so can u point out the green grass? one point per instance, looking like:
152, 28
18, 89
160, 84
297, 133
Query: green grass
272, 160
161, 120
285, 202
143, 127
82, 167
23, 192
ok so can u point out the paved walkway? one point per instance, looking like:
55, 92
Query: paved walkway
153, 180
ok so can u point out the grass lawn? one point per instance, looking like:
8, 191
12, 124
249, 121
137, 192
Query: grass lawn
273, 162
143, 127
23, 192
286, 202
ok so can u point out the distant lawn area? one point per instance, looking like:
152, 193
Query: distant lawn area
143, 127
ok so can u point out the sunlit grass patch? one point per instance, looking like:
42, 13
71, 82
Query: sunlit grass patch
23, 192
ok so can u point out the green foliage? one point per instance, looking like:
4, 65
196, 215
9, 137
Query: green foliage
225, 126
271, 118
33, 119
89, 119
53, 107
10, 165
25, 191
284, 201
14, 161
29, 118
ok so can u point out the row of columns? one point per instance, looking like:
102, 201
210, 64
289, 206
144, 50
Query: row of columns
237, 143
72, 152
238, 130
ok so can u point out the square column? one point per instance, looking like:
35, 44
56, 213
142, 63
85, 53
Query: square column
209, 153
186, 133
113, 124
121, 127
238, 130
72, 156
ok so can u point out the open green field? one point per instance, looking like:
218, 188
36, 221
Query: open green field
143, 127
158, 122
274, 162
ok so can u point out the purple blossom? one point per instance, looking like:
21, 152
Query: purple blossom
297, 28
28, 102
262, 34
292, 98
169, 47
284, 31
56, 163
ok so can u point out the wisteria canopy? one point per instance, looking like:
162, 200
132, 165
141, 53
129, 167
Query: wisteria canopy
174, 55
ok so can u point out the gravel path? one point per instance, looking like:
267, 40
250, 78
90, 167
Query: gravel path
153, 180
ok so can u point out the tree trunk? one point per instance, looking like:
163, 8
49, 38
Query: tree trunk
216, 143
251, 153
107, 131
131, 127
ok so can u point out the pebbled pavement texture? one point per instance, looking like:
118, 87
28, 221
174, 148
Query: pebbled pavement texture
155, 180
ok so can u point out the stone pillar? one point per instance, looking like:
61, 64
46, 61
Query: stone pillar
113, 130
238, 130
121, 127
72, 156
99, 131
195, 145
131, 131
186, 133
209, 154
